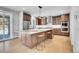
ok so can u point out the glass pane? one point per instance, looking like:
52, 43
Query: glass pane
1, 27
7, 26
4, 27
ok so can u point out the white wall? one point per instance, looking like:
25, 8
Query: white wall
14, 22
74, 28
52, 12
20, 21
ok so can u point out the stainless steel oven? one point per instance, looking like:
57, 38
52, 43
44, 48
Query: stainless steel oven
64, 26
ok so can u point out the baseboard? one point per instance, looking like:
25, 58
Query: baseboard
15, 37
7, 39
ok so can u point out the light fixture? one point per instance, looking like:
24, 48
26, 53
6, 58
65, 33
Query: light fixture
24, 9
40, 17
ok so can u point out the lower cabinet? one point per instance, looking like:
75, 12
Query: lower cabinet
49, 34
32, 40
57, 31
65, 34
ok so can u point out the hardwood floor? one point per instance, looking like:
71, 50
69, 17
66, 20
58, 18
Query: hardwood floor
59, 44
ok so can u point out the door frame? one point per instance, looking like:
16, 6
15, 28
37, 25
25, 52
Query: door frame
10, 14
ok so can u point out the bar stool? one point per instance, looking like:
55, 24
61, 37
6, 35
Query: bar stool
40, 38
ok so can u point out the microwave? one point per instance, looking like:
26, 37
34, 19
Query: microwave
64, 24
65, 27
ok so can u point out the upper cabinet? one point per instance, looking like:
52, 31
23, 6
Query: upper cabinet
56, 20
64, 17
26, 21
26, 17
41, 21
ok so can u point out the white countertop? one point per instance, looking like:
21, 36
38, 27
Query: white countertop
48, 26
33, 31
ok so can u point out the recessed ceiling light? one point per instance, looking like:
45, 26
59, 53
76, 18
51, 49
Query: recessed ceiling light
24, 9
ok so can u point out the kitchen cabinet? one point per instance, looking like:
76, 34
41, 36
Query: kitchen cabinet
65, 33
31, 39
61, 20
64, 17
26, 21
26, 17
38, 21
57, 31
49, 34
56, 20
42, 21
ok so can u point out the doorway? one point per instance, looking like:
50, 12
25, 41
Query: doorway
4, 26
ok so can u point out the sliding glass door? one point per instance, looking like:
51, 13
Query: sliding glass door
4, 26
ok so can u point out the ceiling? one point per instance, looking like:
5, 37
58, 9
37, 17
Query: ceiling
34, 10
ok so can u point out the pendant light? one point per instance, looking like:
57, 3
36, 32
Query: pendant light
40, 17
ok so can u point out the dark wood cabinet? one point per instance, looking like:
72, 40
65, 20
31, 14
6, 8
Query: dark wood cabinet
41, 21
57, 31
35, 38
49, 34
56, 20
26, 17
65, 33
38, 21
64, 17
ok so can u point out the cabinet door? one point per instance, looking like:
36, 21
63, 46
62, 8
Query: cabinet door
24, 17
67, 17
64, 34
49, 35
34, 40
28, 18
54, 31
56, 20
53, 20
42, 21
57, 31
39, 22
64, 17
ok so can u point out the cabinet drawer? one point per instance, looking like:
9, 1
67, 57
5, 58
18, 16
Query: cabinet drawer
56, 31
65, 34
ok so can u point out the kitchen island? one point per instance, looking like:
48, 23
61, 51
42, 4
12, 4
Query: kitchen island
33, 37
